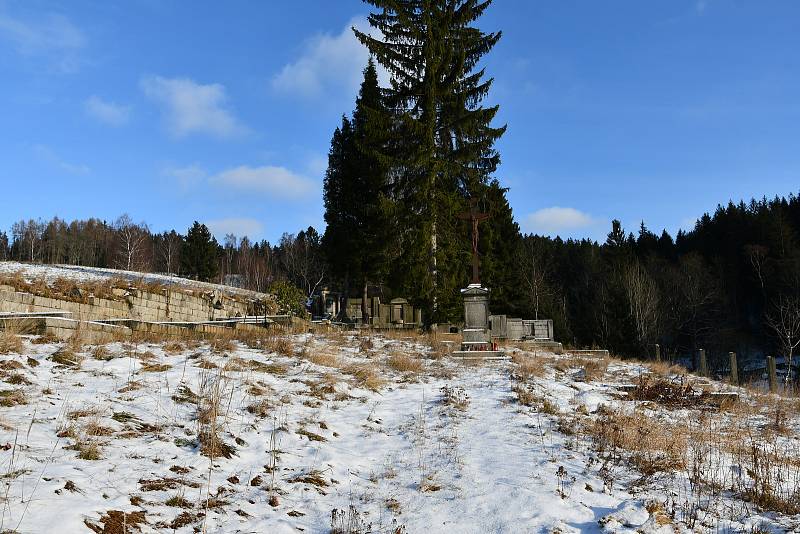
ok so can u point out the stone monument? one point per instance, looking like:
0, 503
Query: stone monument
477, 335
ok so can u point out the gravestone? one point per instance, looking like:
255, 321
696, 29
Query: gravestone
515, 329
477, 336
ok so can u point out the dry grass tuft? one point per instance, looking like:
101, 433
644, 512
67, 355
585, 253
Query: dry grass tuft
325, 359
88, 449
652, 448
156, 367
526, 396
220, 344
311, 435
366, 376
404, 363
594, 369
11, 365
240, 364
365, 344
173, 347
69, 354
313, 477
527, 366
178, 501
10, 342
208, 410
281, 345
260, 408
12, 397
18, 379
455, 396
163, 484
47, 338
117, 522
673, 393
102, 353
666, 370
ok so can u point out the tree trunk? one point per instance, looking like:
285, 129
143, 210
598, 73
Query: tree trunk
343, 299
364, 306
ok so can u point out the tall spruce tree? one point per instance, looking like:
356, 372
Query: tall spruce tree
370, 183
337, 245
200, 253
500, 242
442, 145
354, 192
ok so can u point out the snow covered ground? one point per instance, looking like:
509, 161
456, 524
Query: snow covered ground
94, 274
323, 432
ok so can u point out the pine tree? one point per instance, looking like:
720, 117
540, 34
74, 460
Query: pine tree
336, 243
370, 184
356, 240
441, 147
199, 254
500, 242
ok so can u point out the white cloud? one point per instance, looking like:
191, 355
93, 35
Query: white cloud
107, 112
187, 177
328, 62
239, 227
700, 6
271, 180
192, 107
317, 164
557, 220
52, 36
46, 153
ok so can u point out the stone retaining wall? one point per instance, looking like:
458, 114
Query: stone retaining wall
134, 304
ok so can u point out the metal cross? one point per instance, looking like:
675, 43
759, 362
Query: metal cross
475, 216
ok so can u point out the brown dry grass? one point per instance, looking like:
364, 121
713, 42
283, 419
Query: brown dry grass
101, 352
325, 359
88, 449
528, 366
366, 375
117, 522
64, 288
666, 369
66, 356
10, 342
173, 347
281, 345
12, 397
209, 409
405, 363
156, 367
45, 338
652, 447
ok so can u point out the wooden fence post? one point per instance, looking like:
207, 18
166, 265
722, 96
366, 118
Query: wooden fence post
703, 371
734, 368
772, 374
658, 352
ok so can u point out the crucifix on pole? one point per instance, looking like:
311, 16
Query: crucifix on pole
475, 217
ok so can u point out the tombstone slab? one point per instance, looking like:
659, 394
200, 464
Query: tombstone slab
477, 338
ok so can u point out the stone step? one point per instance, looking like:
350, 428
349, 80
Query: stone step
480, 355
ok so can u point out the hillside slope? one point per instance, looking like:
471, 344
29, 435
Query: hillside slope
312, 433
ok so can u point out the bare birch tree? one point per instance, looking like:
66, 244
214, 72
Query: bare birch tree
784, 320
302, 260
535, 268
132, 239
169, 248
644, 302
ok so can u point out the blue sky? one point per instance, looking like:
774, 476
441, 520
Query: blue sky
222, 112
